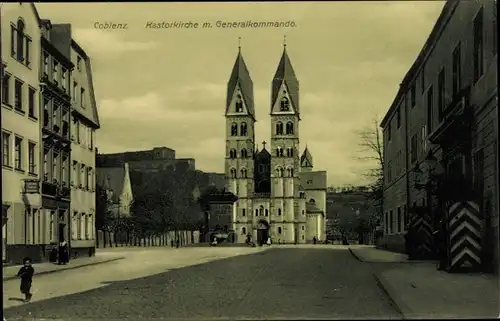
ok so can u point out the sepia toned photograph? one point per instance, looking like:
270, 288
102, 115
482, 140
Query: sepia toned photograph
249, 160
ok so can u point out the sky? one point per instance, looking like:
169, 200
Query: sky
167, 87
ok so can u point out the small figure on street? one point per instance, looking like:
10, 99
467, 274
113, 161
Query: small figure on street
172, 243
409, 242
177, 243
441, 241
214, 242
268, 241
314, 240
26, 275
63, 253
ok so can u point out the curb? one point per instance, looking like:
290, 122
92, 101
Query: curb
391, 294
355, 255
69, 268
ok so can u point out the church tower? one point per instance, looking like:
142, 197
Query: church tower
285, 162
240, 140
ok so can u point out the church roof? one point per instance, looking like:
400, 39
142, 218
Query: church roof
306, 159
286, 73
312, 208
241, 76
263, 154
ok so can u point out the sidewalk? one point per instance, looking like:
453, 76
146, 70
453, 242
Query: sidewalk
9, 272
421, 291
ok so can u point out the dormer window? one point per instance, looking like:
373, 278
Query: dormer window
239, 104
284, 104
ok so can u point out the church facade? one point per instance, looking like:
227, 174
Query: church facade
280, 196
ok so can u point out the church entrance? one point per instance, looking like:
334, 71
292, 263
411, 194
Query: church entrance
262, 232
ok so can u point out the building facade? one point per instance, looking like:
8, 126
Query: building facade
84, 124
441, 140
55, 85
23, 226
279, 194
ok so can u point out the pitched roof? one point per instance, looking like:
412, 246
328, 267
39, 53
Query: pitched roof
111, 178
312, 208
240, 75
313, 180
285, 73
306, 156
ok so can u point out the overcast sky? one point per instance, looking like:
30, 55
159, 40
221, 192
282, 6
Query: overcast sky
167, 87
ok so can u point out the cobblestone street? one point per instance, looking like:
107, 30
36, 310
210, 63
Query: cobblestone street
230, 283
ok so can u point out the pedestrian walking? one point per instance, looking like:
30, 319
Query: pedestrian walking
63, 253
268, 241
177, 242
314, 240
26, 275
172, 243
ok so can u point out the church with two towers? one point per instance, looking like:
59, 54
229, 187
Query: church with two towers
280, 196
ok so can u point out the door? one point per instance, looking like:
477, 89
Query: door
262, 236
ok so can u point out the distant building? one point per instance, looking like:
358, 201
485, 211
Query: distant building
157, 159
441, 137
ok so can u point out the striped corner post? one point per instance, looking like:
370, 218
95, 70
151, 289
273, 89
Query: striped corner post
422, 226
464, 226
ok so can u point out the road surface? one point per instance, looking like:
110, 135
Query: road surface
289, 282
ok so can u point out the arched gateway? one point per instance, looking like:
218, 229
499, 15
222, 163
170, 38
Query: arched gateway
262, 232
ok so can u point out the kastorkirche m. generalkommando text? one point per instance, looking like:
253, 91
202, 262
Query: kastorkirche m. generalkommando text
218, 24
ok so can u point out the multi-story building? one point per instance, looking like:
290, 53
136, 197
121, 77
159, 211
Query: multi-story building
279, 194
24, 232
85, 122
441, 139
55, 85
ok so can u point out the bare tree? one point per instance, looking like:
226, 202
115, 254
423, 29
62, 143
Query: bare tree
372, 150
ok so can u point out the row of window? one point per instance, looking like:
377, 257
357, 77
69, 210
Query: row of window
288, 128
279, 230
19, 153
396, 224
83, 176
478, 71
20, 43
244, 173
261, 211
20, 91
82, 226
243, 129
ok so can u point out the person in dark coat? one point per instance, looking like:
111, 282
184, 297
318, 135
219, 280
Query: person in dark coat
172, 243
441, 242
314, 240
26, 275
63, 253
177, 243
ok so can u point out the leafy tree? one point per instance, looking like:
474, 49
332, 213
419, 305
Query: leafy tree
104, 216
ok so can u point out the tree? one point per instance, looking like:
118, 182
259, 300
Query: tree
372, 150
103, 210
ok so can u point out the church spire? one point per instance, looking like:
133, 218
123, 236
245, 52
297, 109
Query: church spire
306, 160
240, 77
285, 74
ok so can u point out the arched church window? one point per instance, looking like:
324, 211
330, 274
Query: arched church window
279, 211
243, 231
261, 210
312, 201
289, 128
20, 40
279, 128
284, 104
290, 172
303, 212
232, 154
243, 129
256, 212
267, 212
279, 152
243, 212
279, 230
234, 129
233, 173
289, 152
244, 153
244, 173
239, 104
279, 171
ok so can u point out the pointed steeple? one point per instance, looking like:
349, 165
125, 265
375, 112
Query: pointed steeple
306, 160
286, 73
241, 77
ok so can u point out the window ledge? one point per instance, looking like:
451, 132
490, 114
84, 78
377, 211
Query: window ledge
7, 105
33, 118
33, 174
20, 111
20, 170
7, 166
